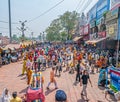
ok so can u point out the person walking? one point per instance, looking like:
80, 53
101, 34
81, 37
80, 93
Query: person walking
79, 71
52, 79
84, 81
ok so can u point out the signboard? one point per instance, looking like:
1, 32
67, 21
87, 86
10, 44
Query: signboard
86, 29
102, 34
115, 4
102, 7
81, 30
112, 14
111, 30
92, 13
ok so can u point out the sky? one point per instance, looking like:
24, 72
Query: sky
22, 10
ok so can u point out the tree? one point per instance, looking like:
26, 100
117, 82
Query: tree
53, 31
68, 21
62, 27
63, 36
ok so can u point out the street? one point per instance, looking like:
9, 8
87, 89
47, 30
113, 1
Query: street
11, 79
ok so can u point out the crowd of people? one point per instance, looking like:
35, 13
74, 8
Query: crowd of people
58, 56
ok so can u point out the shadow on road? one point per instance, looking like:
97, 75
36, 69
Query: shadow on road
75, 83
49, 91
23, 78
111, 97
23, 91
80, 100
101, 88
20, 75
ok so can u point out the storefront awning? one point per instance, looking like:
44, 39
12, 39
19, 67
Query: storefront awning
95, 41
77, 38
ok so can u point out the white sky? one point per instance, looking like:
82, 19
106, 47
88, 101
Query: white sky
29, 9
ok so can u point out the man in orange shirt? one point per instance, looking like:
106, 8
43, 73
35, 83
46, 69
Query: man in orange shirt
98, 64
52, 79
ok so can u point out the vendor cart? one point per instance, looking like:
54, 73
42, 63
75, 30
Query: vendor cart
35, 91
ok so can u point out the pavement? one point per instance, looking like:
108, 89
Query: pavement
10, 78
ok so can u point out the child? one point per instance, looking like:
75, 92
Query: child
52, 79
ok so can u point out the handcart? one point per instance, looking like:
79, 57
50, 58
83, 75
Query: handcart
35, 91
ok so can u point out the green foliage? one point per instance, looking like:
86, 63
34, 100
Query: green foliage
62, 27
104, 14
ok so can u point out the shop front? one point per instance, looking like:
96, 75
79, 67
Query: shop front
112, 22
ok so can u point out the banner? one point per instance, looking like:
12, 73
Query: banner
111, 30
102, 34
81, 30
86, 29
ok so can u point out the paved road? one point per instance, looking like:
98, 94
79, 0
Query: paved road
10, 78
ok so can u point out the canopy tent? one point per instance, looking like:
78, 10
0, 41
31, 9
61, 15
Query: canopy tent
95, 41
77, 38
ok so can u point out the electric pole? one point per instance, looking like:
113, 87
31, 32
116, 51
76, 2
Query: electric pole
40, 36
23, 29
10, 31
32, 35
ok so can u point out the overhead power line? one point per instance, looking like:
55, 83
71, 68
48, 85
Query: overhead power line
46, 11
86, 5
80, 5
77, 7
8, 22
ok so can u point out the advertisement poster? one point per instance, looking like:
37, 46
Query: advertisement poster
86, 29
115, 3
81, 31
111, 30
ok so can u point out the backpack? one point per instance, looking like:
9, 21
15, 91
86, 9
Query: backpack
60, 96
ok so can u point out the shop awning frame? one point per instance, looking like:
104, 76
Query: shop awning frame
95, 40
77, 38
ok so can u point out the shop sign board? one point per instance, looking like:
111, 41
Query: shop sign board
111, 30
81, 30
86, 29
102, 7
102, 34
113, 14
115, 4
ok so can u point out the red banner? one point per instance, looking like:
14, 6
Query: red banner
86, 29
81, 30
102, 34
